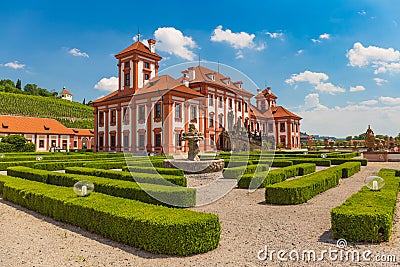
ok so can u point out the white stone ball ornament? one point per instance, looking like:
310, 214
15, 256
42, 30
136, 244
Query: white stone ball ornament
83, 188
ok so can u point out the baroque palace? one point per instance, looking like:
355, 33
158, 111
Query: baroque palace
149, 112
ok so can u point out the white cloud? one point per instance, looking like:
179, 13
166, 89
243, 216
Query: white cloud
350, 120
107, 84
275, 35
369, 102
77, 53
14, 65
238, 40
362, 13
173, 42
239, 54
323, 36
357, 88
380, 81
311, 101
380, 59
387, 100
299, 52
317, 80
308, 76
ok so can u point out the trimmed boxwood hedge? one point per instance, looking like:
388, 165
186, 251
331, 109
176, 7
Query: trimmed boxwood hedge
148, 193
130, 176
237, 172
304, 188
274, 176
316, 161
337, 161
367, 216
168, 171
156, 229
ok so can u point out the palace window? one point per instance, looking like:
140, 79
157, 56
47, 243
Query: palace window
193, 112
146, 76
142, 110
245, 107
126, 142
239, 105
220, 102
157, 114
270, 127
126, 115
210, 100
41, 143
112, 141
141, 141
178, 111
178, 142
101, 142
101, 118
147, 65
113, 116
211, 120
282, 126
126, 65
230, 103
158, 140
220, 121
127, 79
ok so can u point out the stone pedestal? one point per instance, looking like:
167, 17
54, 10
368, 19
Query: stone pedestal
202, 166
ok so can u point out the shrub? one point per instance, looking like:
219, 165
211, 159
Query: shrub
237, 172
156, 229
304, 188
367, 216
262, 179
132, 176
168, 171
336, 161
149, 193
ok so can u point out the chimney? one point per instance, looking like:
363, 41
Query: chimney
152, 45
192, 74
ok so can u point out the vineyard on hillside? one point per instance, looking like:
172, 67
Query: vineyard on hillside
71, 114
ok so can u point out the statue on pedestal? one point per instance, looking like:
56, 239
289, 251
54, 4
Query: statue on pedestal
370, 139
193, 136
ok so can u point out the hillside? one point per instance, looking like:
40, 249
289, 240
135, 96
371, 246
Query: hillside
71, 114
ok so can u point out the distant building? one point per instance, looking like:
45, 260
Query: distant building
65, 94
149, 113
46, 133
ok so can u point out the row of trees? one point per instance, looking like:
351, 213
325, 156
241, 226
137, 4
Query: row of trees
15, 143
362, 137
31, 89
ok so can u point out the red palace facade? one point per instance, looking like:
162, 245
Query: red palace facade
149, 112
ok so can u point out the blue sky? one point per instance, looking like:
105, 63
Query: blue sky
335, 63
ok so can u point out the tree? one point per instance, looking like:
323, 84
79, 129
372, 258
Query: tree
18, 141
18, 84
84, 101
348, 138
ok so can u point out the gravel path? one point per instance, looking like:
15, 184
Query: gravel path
248, 225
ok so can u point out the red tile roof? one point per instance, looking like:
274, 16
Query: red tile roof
65, 91
31, 125
201, 75
279, 112
137, 46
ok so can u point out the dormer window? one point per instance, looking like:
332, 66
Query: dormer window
4, 126
226, 80
46, 128
238, 84
147, 65
211, 76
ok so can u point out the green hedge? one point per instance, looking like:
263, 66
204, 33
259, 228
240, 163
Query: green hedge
343, 155
262, 179
350, 168
168, 171
318, 162
130, 176
367, 216
148, 193
304, 188
334, 161
237, 172
156, 229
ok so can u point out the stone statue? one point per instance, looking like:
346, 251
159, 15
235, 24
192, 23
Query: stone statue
230, 120
370, 139
309, 142
192, 137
